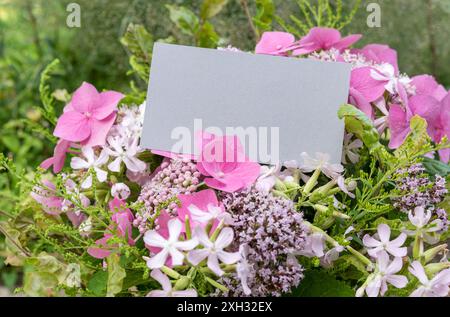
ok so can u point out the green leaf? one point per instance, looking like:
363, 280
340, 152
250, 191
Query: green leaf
359, 124
265, 13
47, 99
184, 19
98, 282
435, 167
140, 44
417, 141
318, 283
11, 142
211, 8
207, 36
116, 275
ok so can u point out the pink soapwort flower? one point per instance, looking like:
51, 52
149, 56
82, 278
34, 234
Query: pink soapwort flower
320, 38
424, 228
214, 250
169, 247
167, 290
438, 286
427, 85
314, 246
122, 219
380, 242
379, 54
223, 162
89, 116
202, 208
321, 161
91, 162
46, 196
120, 190
365, 88
377, 282
58, 158
275, 43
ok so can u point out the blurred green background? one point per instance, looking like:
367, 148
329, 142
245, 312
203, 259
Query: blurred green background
34, 32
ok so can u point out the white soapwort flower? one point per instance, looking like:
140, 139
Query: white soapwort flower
350, 149
321, 162
380, 242
120, 190
91, 162
167, 290
438, 286
169, 247
124, 151
213, 213
214, 250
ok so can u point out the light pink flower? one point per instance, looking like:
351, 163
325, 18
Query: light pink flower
320, 38
393, 247
224, 163
364, 89
439, 126
384, 274
275, 43
169, 247
167, 290
320, 161
268, 177
314, 246
89, 116
379, 54
202, 208
122, 219
214, 250
438, 286
51, 203
58, 158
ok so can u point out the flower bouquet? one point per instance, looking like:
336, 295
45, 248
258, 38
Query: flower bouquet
106, 217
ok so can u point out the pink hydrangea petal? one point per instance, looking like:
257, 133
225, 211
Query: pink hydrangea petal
273, 42
106, 104
100, 130
100, 253
84, 98
347, 41
322, 37
72, 126
357, 99
444, 155
380, 53
425, 106
399, 126
362, 81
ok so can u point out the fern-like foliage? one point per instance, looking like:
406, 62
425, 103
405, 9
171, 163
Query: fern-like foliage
48, 101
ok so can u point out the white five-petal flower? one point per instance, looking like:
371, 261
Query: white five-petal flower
377, 283
124, 151
167, 290
393, 247
93, 162
169, 247
321, 161
438, 286
213, 213
213, 250
420, 219
350, 149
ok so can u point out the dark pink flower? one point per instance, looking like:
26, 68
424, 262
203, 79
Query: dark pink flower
223, 162
427, 85
320, 38
440, 126
89, 116
379, 54
364, 89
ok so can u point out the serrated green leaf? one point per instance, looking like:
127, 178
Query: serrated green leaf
318, 283
184, 19
98, 283
211, 8
207, 36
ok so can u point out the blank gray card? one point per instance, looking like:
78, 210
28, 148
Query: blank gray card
291, 104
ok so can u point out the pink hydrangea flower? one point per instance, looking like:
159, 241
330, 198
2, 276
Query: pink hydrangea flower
223, 162
425, 106
275, 43
427, 85
379, 54
364, 89
320, 38
440, 126
123, 219
202, 208
89, 116
58, 158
